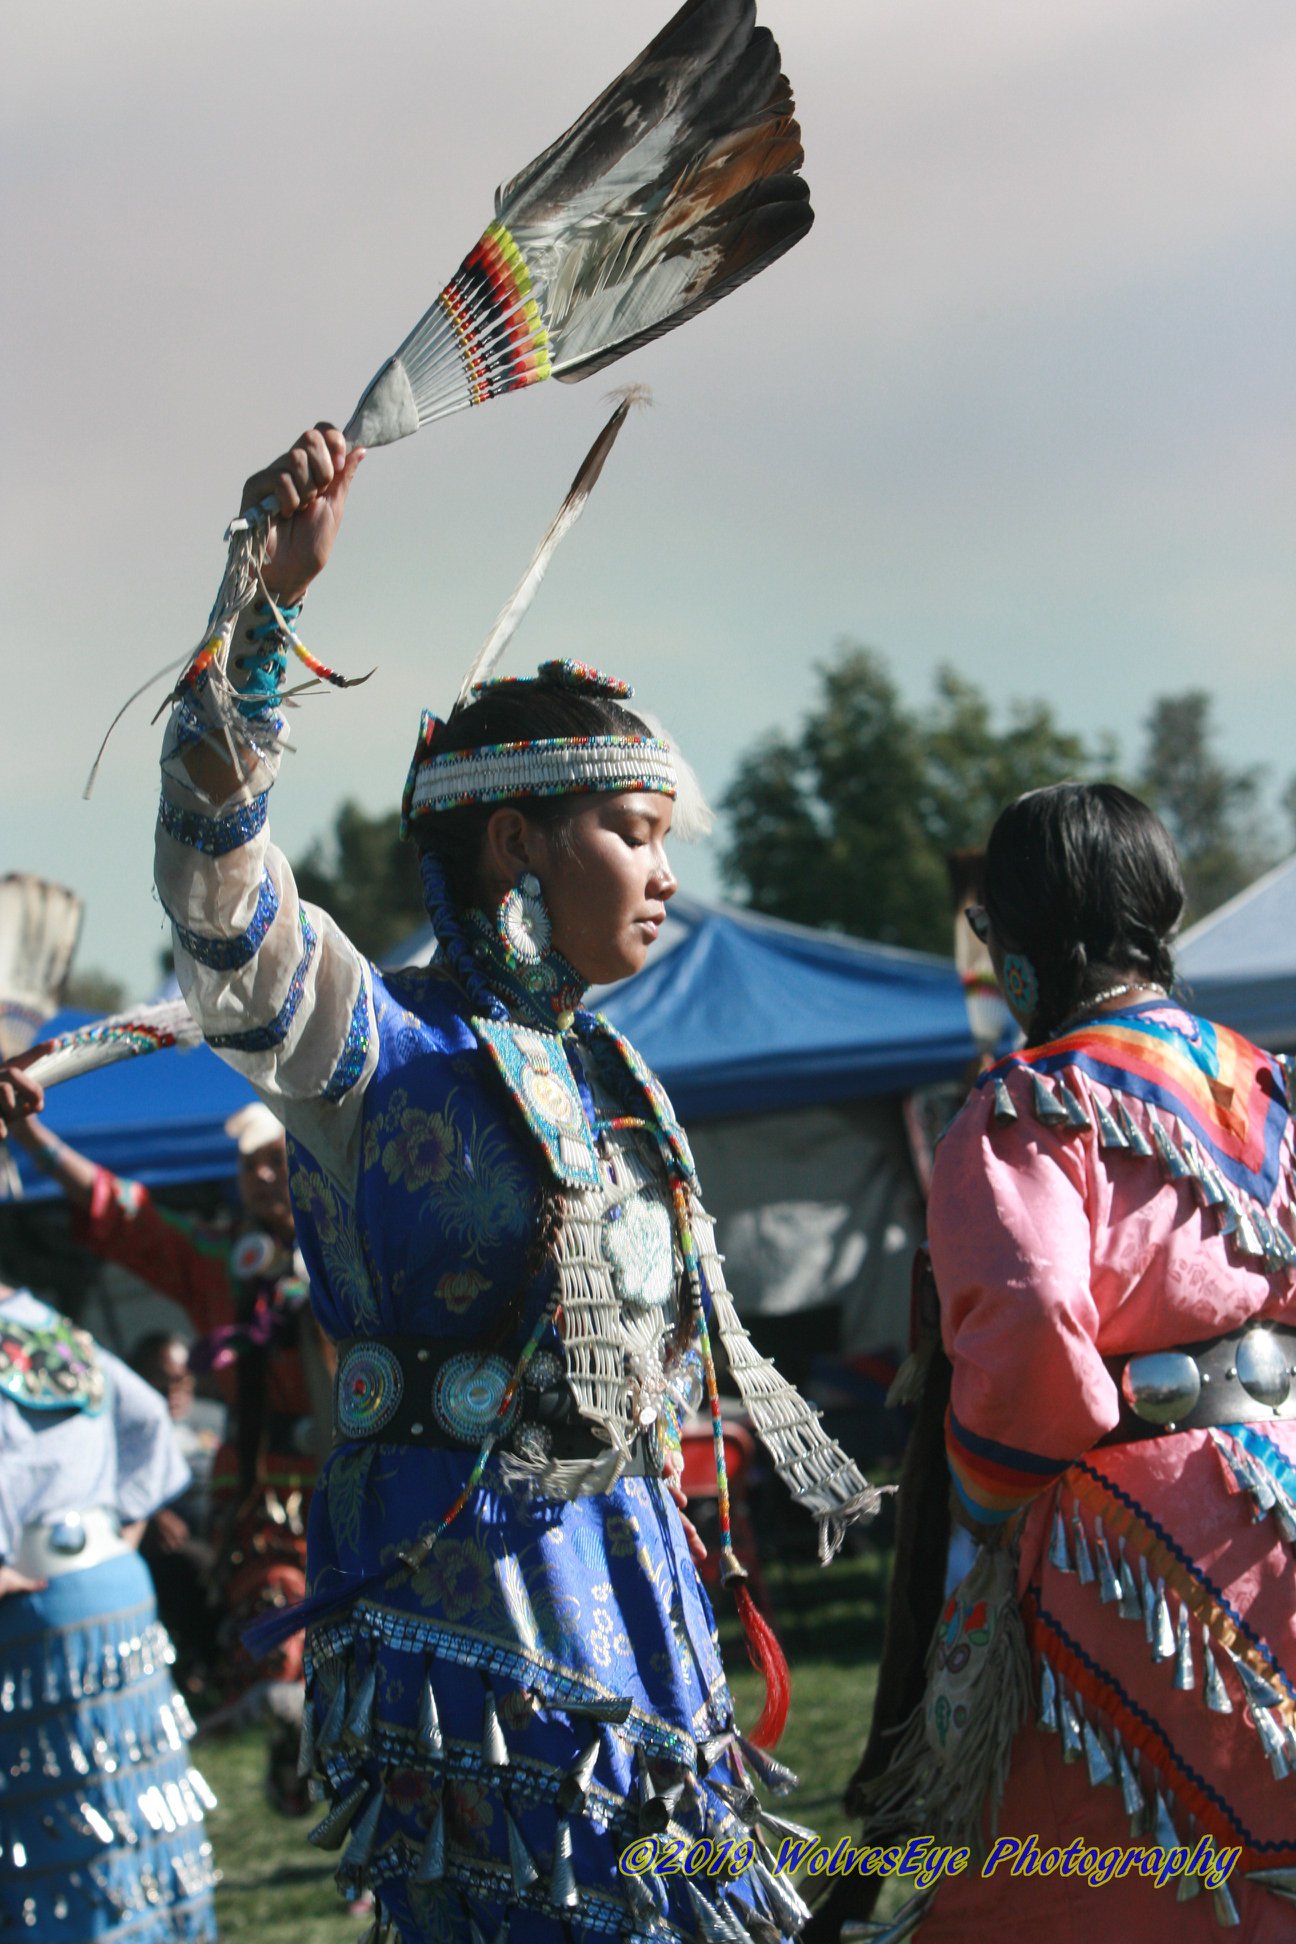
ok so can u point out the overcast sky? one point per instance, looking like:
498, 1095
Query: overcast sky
1022, 401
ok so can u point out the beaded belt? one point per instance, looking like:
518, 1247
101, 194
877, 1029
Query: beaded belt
417, 1391
1245, 1377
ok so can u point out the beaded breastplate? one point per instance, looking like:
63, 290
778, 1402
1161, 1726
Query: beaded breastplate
50, 1369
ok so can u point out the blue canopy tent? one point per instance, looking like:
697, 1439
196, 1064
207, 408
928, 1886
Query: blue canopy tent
739, 1014
1239, 964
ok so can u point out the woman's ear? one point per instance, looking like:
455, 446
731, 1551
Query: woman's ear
509, 848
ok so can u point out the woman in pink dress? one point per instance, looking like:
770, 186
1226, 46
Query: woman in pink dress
1112, 1235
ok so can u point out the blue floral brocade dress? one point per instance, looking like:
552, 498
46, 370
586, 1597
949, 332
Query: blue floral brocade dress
499, 1719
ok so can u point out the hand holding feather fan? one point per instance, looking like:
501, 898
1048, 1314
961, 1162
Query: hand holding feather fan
678, 184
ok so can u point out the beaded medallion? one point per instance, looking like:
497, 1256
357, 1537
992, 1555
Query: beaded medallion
638, 1243
535, 1071
467, 1395
369, 1390
54, 1369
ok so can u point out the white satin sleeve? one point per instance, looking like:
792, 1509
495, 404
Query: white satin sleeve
279, 991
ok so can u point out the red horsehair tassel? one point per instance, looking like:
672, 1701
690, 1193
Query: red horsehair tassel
763, 1650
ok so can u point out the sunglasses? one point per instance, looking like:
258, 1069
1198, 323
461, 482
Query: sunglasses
979, 921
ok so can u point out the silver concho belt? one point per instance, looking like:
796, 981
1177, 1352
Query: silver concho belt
1246, 1377
427, 1391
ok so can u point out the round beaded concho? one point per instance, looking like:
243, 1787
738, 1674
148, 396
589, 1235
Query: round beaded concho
467, 1395
369, 1390
638, 1245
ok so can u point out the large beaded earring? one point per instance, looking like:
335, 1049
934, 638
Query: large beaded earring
523, 924
1020, 984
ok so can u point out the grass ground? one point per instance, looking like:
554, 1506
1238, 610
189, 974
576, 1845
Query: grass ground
278, 1890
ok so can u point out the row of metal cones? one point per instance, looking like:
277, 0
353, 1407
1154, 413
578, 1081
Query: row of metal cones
1251, 1228
663, 1789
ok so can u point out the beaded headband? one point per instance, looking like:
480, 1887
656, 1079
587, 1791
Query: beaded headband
542, 767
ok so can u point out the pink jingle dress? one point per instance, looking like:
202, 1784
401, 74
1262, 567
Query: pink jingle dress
1129, 1189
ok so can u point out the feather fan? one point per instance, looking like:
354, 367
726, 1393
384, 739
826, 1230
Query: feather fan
103, 1042
678, 184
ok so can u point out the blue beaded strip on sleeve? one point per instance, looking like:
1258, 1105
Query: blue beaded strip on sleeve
264, 1039
230, 954
355, 1048
215, 836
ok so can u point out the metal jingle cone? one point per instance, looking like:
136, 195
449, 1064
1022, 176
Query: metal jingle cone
1047, 1718
1059, 1557
1163, 1641
494, 1747
330, 1733
775, 1775
1135, 1139
1109, 1134
359, 1721
616, 1713
784, 1827
575, 1785
1108, 1584
1045, 1103
640, 1898
476, 1935
1072, 1734
1164, 1834
1189, 1887
1185, 1675
522, 1865
1004, 1111
202, 1789
744, 1802
1214, 1690
430, 1867
653, 1814
1131, 1607
330, 1833
710, 1751
790, 1909
1226, 1911
1073, 1108
1131, 1793
1172, 1161
306, 1745
360, 1842
431, 1740
1257, 1690
1084, 1562
562, 1881
710, 1927
1273, 1741
1096, 1756
1148, 1592
1280, 1883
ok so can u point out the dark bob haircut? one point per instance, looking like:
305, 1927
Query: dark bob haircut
520, 713
1084, 879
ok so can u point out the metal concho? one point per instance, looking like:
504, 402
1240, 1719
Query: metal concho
467, 1397
1262, 1368
1161, 1387
369, 1390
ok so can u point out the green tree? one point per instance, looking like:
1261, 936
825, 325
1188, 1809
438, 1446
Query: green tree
1212, 812
848, 823
366, 879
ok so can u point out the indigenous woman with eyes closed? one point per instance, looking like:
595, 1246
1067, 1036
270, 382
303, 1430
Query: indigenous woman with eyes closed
1113, 1241
513, 1669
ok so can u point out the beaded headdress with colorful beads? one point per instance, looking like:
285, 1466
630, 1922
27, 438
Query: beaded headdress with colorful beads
542, 766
